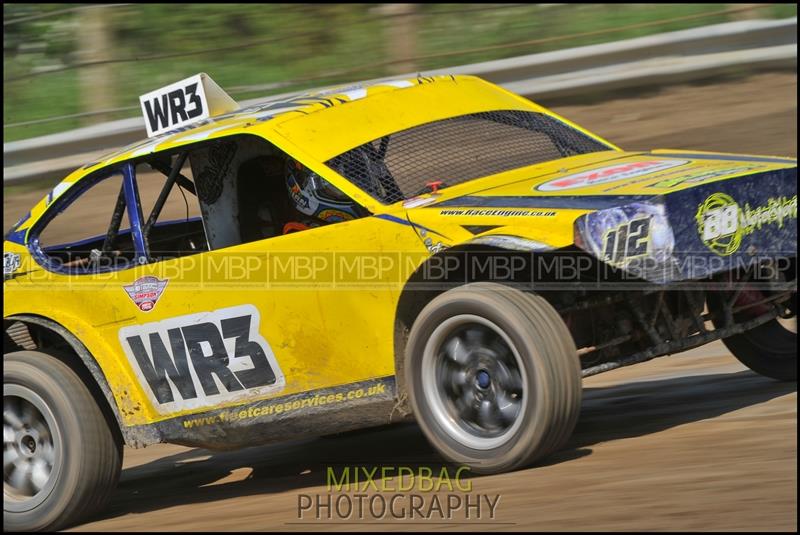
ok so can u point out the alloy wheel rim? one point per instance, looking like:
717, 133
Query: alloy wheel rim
32, 449
473, 381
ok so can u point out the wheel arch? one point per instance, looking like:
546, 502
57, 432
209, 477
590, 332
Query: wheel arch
43, 334
421, 288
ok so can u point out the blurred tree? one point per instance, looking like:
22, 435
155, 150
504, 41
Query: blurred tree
746, 15
95, 45
256, 49
402, 36
35, 38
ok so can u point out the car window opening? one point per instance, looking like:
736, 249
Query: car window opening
214, 195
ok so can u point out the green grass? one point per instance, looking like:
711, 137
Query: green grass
312, 39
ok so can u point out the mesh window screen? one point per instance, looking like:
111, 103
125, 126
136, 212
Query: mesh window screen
458, 149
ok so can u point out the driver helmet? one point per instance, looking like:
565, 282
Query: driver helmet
315, 197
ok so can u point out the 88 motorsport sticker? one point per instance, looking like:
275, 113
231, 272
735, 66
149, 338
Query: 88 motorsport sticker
202, 360
611, 173
722, 223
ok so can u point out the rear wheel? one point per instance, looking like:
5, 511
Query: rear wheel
493, 375
769, 349
60, 459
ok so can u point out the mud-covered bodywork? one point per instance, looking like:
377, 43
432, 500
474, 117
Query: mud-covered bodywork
229, 342
657, 215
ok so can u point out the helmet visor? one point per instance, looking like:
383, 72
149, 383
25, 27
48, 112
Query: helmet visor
326, 190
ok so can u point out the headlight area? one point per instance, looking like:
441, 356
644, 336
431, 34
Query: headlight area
635, 238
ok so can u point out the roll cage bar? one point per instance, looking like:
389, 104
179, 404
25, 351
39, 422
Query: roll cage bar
129, 198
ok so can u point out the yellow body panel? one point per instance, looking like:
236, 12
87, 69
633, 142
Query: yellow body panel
311, 300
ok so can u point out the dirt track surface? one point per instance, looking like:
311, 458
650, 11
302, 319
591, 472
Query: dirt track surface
689, 442
755, 115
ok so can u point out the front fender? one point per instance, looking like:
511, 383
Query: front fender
135, 438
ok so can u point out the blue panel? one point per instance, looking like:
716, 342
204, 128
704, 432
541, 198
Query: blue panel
16, 236
772, 237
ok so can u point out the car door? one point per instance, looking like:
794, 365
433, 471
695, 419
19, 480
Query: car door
295, 313
208, 329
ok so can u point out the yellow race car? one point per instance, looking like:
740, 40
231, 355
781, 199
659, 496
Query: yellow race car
434, 248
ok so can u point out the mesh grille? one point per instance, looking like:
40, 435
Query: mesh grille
456, 150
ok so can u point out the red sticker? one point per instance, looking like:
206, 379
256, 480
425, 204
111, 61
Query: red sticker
608, 174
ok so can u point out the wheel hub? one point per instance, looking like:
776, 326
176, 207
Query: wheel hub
31, 452
27, 442
483, 379
474, 381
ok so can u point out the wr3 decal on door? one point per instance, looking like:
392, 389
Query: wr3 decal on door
202, 360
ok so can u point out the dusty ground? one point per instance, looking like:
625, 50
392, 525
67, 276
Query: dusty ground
692, 442
689, 442
755, 115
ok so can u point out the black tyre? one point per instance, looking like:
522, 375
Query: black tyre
493, 377
60, 459
769, 349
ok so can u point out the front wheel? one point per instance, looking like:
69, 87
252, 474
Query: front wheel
60, 459
493, 376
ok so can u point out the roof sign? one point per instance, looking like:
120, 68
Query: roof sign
188, 101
